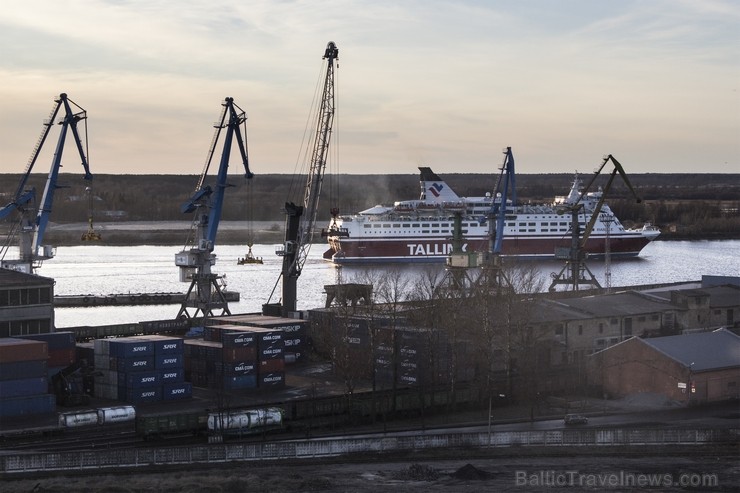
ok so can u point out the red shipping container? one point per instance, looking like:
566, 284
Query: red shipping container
12, 349
271, 365
62, 357
235, 354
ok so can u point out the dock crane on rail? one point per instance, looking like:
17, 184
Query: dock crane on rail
31, 229
301, 219
573, 273
205, 294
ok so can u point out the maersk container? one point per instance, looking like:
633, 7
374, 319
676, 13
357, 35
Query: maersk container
120, 414
245, 421
73, 420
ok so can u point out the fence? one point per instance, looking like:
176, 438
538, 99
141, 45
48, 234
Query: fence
332, 447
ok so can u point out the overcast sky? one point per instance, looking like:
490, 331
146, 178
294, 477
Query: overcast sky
445, 84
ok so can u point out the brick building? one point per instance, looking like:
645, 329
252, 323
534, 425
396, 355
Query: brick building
688, 369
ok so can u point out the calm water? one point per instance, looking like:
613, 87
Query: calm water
139, 269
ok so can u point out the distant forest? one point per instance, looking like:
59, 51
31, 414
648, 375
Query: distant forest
682, 205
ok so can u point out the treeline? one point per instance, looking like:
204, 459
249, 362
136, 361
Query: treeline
688, 204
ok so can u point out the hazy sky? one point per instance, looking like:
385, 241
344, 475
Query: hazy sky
446, 84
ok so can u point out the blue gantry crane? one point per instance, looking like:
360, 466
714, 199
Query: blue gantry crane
205, 296
34, 220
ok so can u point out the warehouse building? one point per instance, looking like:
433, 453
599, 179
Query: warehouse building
687, 369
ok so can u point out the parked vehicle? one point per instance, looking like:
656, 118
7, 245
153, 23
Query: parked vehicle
575, 419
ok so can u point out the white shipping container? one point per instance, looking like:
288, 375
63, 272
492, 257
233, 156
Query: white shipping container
116, 414
71, 420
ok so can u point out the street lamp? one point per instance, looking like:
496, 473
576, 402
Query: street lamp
490, 414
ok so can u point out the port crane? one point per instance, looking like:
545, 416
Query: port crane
34, 220
205, 296
301, 219
492, 274
573, 274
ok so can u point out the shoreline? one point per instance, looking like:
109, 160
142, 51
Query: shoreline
172, 233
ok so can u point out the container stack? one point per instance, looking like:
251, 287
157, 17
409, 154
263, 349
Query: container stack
61, 347
236, 357
141, 369
24, 387
295, 331
229, 365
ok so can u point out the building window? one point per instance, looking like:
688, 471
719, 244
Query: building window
580, 330
601, 328
559, 330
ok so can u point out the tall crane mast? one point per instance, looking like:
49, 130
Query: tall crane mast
32, 229
205, 294
573, 273
301, 219
492, 275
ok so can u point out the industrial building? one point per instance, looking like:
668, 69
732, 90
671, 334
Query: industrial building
687, 369
26, 304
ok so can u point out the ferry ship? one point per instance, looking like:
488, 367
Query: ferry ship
421, 230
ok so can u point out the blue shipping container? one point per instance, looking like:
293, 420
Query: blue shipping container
139, 379
172, 375
23, 369
240, 382
129, 348
23, 387
168, 360
28, 406
176, 391
55, 340
128, 365
135, 396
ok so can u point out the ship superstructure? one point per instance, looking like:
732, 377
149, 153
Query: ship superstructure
421, 230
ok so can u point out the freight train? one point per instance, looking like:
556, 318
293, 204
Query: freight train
297, 415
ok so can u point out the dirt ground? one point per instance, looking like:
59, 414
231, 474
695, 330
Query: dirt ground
700, 471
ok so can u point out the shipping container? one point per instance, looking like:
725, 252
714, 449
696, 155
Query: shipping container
54, 340
23, 387
168, 360
139, 379
23, 369
28, 406
162, 344
177, 391
271, 365
82, 418
134, 364
12, 349
129, 347
120, 414
274, 379
137, 396
172, 375
62, 357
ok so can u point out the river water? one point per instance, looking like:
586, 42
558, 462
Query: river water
95, 269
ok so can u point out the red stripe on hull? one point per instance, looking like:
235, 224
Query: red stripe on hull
436, 250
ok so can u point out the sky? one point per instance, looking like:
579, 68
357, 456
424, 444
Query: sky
445, 84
